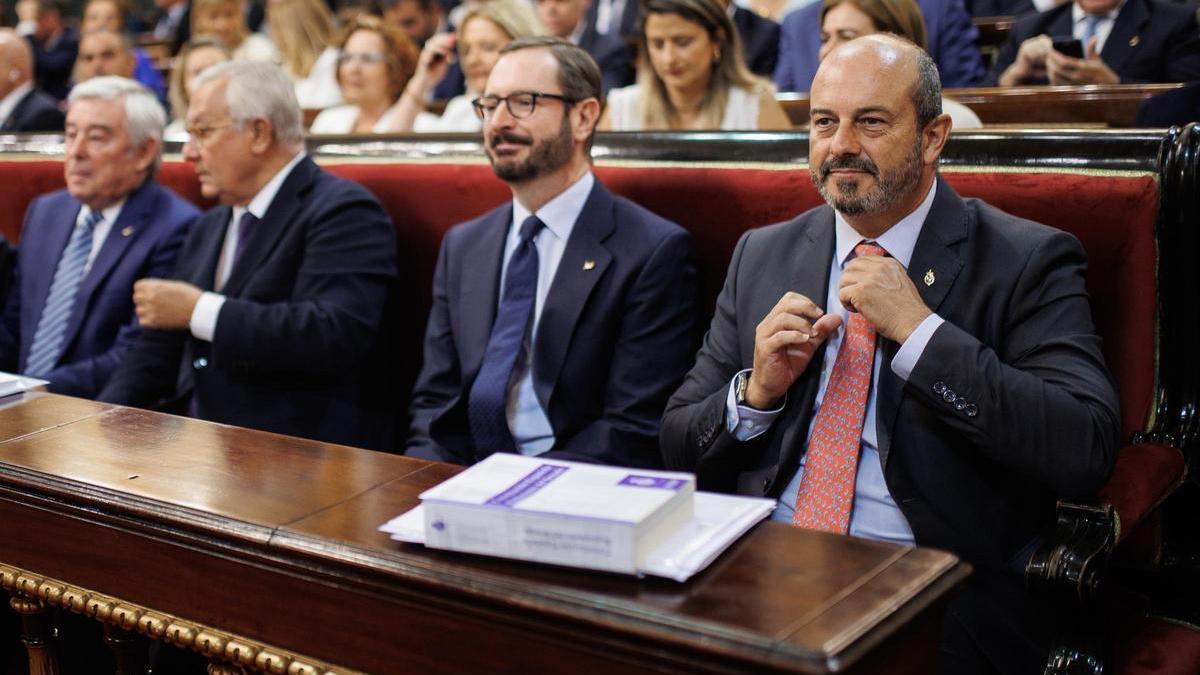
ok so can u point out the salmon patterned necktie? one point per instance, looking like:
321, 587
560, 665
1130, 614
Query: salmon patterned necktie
826, 492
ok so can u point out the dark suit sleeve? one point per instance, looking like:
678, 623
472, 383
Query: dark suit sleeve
693, 435
653, 351
1182, 56
440, 381
338, 294
957, 49
1045, 406
86, 377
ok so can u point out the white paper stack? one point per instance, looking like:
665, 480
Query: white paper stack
580, 515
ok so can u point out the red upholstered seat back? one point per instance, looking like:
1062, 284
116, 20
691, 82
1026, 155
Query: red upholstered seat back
1112, 214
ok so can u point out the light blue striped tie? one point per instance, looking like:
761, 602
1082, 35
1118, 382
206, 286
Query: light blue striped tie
52, 326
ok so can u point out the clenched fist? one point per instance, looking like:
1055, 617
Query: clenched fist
163, 304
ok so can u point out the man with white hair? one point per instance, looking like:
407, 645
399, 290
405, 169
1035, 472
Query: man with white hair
69, 316
22, 107
278, 297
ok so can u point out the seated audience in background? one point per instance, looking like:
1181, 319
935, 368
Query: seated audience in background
172, 22
375, 62
303, 34
23, 107
69, 316
597, 320
110, 15
614, 17
845, 20
274, 307
950, 39
873, 364
566, 19
484, 30
54, 48
197, 55
691, 75
1171, 108
760, 39
103, 52
1120, 41
224, 20
419, 19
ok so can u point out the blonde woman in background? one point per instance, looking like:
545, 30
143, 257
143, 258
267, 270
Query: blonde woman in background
302, 31
375, 62
198, 54
485, 29
224, 20
691, 75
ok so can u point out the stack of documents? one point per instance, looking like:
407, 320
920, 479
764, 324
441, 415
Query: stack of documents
580, 515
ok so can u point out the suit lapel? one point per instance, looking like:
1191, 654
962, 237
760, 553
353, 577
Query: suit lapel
810, 277
934, 266
583, 264
1128, 25
1062, 23
275, 222
480, 283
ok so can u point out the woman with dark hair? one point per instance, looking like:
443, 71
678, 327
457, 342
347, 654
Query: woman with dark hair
691, 75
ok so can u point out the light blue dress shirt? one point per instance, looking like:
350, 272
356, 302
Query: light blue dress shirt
875, 514
530, 427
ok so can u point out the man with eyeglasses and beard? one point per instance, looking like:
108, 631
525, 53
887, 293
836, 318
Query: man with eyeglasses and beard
563, 320
904, 365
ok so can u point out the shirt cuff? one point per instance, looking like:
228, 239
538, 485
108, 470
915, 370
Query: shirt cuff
910, 352
744, 422
204, 316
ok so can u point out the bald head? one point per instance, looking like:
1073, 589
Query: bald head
16, 61
882, 62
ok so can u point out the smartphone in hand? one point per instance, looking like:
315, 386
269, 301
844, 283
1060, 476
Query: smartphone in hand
1068, 46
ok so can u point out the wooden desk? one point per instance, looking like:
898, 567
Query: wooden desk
262, 550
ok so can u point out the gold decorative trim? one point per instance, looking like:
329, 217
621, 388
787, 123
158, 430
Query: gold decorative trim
233, 652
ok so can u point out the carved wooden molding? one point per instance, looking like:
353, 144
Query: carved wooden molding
233, 652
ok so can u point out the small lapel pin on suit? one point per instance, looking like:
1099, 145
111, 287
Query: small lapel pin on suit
127, 231
1134, 41
929, 278
589, 265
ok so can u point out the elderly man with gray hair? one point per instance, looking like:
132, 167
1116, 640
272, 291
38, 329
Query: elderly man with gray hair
69, 316
278, 297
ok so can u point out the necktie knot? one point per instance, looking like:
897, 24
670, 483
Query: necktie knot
869, 248
90, 223
530, 228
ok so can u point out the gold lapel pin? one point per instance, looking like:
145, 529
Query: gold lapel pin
1133, 41
589, 265
127, 231
929, 278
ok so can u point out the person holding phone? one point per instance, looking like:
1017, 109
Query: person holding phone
1101, 42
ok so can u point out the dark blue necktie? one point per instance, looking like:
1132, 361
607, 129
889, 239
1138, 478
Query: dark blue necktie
245, 225
488, 398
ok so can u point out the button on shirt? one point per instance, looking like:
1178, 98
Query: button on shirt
1103, 27
203, 324
531, 430
875, 514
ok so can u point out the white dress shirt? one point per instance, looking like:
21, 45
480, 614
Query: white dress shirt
527, 421
1103, 27
203, 323
875, 514
100, 232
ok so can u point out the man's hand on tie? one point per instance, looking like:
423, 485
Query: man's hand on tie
784, 343
879, 289
163, 304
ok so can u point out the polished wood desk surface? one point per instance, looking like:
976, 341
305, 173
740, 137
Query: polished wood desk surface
274, 539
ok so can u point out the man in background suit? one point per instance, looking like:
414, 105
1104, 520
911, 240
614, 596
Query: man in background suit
760, 39
103, 52
23, 108
55, 45
958, 394
278, 295
69, 316
566, 19
1124, 41
596, 322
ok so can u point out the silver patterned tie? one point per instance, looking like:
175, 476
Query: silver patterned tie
47, 345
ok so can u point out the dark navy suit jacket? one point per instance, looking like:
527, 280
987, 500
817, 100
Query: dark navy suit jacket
143, 242
303, 308
36, 111
949, 32
760, 41
616, 334
614, 56
1151, 41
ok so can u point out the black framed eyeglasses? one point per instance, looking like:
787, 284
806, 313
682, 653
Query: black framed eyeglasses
521, 104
